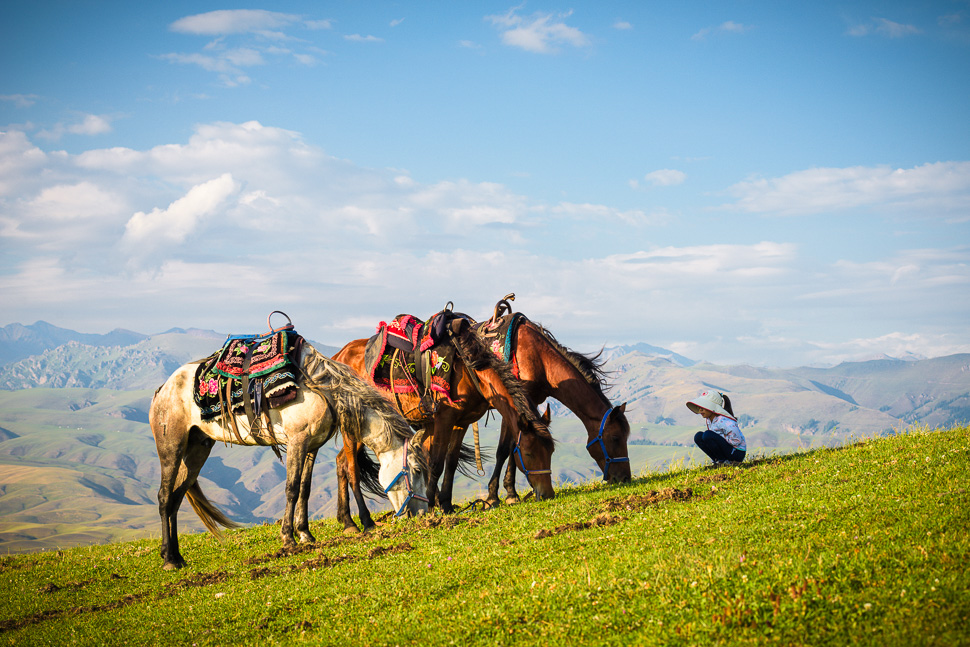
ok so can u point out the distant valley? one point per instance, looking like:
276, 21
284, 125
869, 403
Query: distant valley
78, 463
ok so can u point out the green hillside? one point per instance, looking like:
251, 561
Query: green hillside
864, 544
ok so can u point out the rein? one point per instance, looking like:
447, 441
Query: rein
606, 455
407, 483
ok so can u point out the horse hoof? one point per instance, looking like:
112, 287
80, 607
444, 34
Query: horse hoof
512, 500
172, 566
351, 530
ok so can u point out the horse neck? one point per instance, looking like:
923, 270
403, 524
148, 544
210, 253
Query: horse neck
549, 373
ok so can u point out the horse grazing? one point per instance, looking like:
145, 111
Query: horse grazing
329, 396
482, 381
549, 369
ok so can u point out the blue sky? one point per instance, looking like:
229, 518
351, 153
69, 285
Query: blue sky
742, 182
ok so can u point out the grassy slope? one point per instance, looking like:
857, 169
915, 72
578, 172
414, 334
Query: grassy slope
865, 544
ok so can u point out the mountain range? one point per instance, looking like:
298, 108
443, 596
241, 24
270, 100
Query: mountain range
78, 463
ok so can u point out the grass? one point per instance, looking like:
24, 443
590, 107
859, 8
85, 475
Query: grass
863, 544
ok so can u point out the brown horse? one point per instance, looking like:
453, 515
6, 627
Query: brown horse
330, 395
485, 382
549, 369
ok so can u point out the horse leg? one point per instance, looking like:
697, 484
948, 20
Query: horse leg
343, 478
302, 521
502, 453
451, 465
365, 519
190, 457
296, 454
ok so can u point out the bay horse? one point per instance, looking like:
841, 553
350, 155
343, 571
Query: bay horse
549, 369
485, 382
329, 396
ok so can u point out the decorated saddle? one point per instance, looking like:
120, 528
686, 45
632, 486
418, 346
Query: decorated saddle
249, 373
499, 334
408, 355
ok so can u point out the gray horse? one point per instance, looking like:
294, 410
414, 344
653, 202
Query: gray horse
331, 397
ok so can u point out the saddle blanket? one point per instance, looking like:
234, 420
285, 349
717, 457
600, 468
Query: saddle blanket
422, 363
500, 336
271, 372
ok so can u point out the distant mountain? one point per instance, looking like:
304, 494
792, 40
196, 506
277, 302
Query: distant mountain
145, 363
614, 352
18, 341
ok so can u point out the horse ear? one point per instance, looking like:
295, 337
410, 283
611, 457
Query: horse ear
547, 416
620, 409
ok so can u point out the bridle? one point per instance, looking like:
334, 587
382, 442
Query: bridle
407, 483
517, 452
606, 455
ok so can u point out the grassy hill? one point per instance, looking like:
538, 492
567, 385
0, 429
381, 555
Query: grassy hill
862, 544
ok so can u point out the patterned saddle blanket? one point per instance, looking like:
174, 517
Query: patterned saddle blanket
500, 336
408, 355
265, 364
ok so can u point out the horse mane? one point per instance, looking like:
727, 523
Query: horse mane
477, 356
589, 366
351, 396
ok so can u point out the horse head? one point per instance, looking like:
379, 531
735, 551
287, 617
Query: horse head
609, 447
404, 477
533, 452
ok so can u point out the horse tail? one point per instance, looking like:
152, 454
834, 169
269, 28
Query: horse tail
208, 513
368, 472
467, 463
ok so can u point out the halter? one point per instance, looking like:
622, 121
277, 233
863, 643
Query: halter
407, 482
518, 452
606, 455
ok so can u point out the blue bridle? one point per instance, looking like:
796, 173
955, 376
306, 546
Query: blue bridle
606, 454
518, 453
407, 482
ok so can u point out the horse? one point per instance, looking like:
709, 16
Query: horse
485, 382
329, 395
549, 369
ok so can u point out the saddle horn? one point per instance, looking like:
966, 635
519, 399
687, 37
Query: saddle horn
503, 306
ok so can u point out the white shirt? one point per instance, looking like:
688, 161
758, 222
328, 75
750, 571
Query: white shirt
729, 430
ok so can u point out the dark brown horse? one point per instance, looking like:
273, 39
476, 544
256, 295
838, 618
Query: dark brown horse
549, 369
485, 382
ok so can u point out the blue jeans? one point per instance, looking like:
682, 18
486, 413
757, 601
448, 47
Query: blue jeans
716, 447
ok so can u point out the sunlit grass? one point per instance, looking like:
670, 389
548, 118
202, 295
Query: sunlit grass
865, 544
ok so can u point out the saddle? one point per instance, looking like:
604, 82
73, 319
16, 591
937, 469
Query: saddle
408, 355
499, 333
251, 374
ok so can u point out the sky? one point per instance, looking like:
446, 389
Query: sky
742, 182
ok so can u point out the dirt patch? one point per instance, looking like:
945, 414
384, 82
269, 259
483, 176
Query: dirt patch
604, 519
653, 497
715, 478
200, 579
377, 551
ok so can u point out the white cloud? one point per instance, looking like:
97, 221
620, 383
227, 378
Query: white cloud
357, 38
542, 33
729, 27
666, 177
88, 125
232, 21
144, 237
622, 25
941, 187
20, 100
884, 27
174, 223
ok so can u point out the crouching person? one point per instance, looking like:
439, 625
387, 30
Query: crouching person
723, 441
